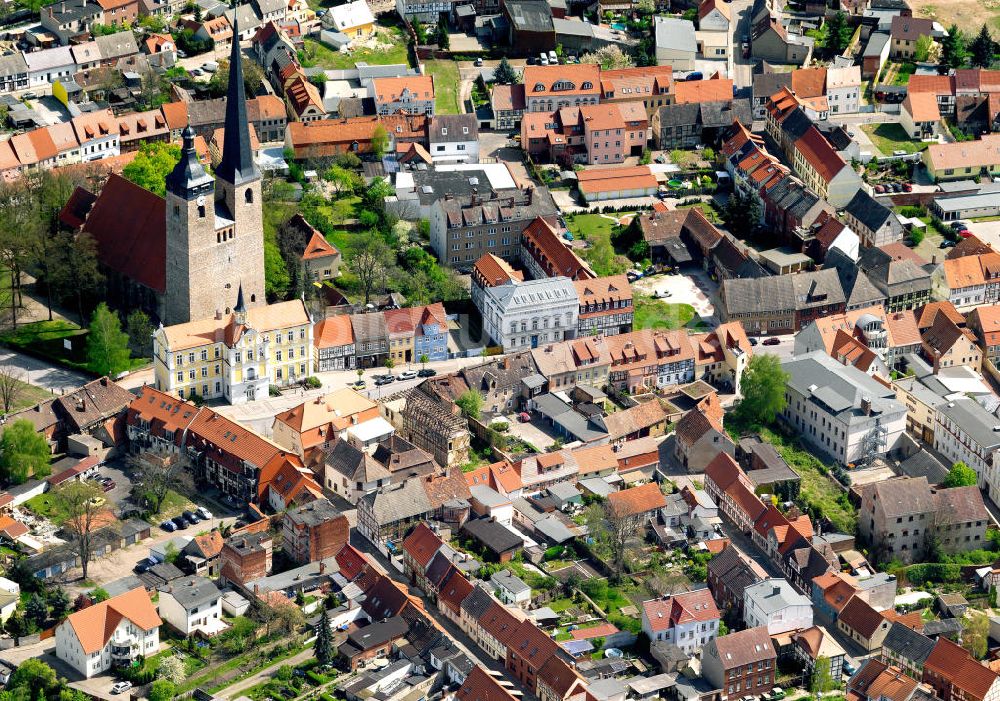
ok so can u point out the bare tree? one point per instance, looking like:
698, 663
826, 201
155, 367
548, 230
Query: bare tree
622, 528
83, 505
11, 386
153, 477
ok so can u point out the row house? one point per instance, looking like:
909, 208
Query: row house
605, 306
315, 425
968, 281
782, 304
544, 254
408, 95
965, 432
813, 158
984, 321
689, 620
733, 492
876, 224
583, 361
955, 675
221, 452
741, 663
729, 574
550, 88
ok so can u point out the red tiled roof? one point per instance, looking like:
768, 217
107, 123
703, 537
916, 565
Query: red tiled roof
637, 500
480, 685
957, 666
422, 544
689, 607
859, 616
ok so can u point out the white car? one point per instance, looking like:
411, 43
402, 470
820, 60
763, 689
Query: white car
121, 687
408, 375
204, 513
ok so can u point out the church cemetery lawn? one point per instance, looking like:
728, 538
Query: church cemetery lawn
656, 314
45, 339
320, 55
446, 82
891, 137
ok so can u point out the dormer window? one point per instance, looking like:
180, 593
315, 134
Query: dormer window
539, 87
587, 85
444, 131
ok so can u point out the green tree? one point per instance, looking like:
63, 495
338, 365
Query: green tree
35, 678
742, 214
922, 52
276, 277
380, 141
23, 452
961, 475
58, 602
140, 332
150, 167
369, 258
37, 610
99, 594
763, 388
107, 344
389, 364
82, 503
982, 49
821, 681
162, 690
976, 633
424, 360
471, 403
505, 73
324, 649
74, 271
953, 49
838, 33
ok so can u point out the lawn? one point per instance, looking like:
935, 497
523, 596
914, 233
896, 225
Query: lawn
174, 504
903, 73
590, 226
45, 505
29, 395
707, 208
656, 314
891, 137
596, 230
46, 339
395, 50
446, 82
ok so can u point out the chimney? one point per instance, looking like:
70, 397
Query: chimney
218, 315
866, 405
62, 7
529, 191
506, 363
322, 567
776, 590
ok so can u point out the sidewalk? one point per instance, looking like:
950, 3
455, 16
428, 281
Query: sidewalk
233, 691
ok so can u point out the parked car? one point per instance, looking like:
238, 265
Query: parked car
777, 693
879, 189
204, 513
141, 567
168, 526
427, 372
197, 72
965, 233
108, 486
478, 62
907, 187
649, 271
408, 375
384, 380
190, 517
695, 75
180, 522
897, 187
753, 341
358, 385
772, 341
524, 417
959, 225
121, 687
949, 244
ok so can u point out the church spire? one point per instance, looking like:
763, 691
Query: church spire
237, 165
240, 310
188, 179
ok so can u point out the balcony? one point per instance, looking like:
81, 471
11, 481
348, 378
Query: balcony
124, 652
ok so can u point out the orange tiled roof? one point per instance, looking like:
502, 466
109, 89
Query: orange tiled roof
94, 626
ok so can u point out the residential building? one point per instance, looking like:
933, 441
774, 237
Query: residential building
955, 675
407, 95
945, 344
530, 26
772, 42
775, 605
875, 223
740, 663
520, 316
675, 43
780, 304
920, 115
729, 574
964, 160
192, 605
463, 228
689, 620
333, 339
550, 88
351, 472
841, 410
714, 16
528, 650
965, 432
314, 531
453, 138
246, 557
984, 321
605, 306
113, 633
904, 283
968, 281
508, 105
436, 427
544, 255
686, 125
317, 423
906, 649
904, 33
511, 590
843, 89
354, 20
235, 357
863, 624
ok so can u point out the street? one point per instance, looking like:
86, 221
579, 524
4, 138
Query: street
42, 373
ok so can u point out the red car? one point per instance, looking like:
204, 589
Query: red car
524, 417
907, 187
965, 233
772, 341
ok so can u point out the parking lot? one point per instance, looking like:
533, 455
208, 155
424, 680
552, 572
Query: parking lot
986, 231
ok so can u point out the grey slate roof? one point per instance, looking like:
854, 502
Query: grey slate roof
116, 45
820, 378
313, 513
782, 293
505, 579
402, 501
772, 595
191, 592
478, 602
975, 421
678, 34
237, 165
12, 65
893, 277
493, 535
448, 128
857, 286
767, 84
868, 211
354, 464
924, 464
530, 15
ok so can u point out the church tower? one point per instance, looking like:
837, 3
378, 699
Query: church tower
215, 234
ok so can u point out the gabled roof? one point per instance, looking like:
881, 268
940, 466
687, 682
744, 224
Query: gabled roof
94, 625
637, 500
422, 544
480, 685
956, 666
861, 617
744, 648
689, 607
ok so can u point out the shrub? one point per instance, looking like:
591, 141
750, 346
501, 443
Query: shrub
313, 382
929, 572
554, 553
913, 211
500, 426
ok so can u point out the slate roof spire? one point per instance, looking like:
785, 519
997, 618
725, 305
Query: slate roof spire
188, 179
237, 165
